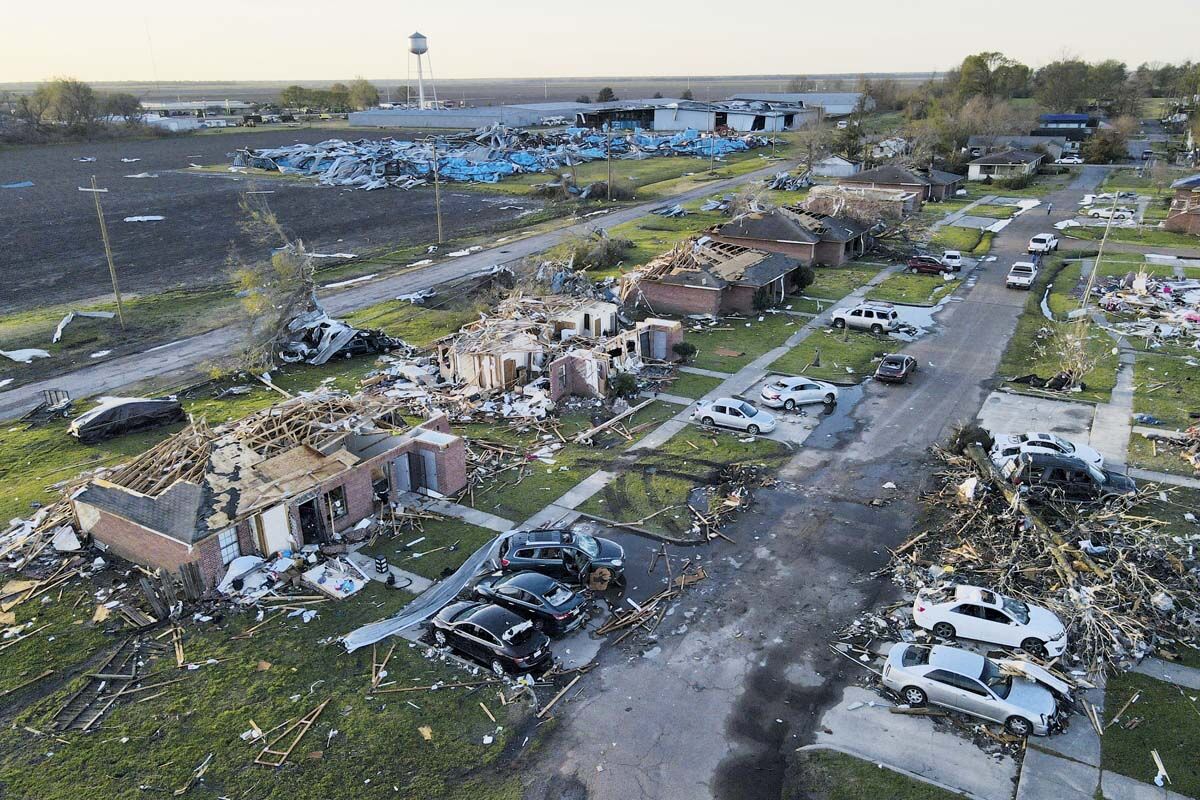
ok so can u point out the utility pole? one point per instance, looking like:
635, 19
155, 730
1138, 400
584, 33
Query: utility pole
712, 145
608, 139
112, 269
437, 191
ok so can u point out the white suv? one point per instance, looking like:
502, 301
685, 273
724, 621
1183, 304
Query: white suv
874, 317
1043, 243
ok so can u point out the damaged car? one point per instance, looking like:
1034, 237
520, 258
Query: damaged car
561, 552
1045, 476
787, 393
115, 416
973, 612
968, 682
314, 337
1008, 446
552, 606
895, 368
491, 635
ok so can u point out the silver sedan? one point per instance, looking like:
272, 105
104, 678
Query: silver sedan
968, 682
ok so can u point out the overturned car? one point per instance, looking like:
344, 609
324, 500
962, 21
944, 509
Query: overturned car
314, 337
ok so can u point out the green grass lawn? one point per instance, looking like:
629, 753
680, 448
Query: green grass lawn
687, 384
993, 211
829, 775
746, 340
1169, 725
425, 558
1167, 388
664, 477
418, 325
838, 350
156, 743
834, 283
914, 290
969, 241
1030, 348
1148, 236
1157, 456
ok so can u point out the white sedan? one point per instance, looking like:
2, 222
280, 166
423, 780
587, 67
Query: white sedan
787, 393
1069, 160
726, 412
1007, 446
985, 616
1114, 213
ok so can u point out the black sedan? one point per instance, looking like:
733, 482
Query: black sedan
491, 635
895, 368
551, 605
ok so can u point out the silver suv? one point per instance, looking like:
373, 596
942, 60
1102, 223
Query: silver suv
874, 317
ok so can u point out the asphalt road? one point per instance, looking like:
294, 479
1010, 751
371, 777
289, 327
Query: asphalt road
717, 710
188, 353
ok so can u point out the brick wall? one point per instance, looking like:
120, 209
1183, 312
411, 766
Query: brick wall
452, 468
671, 298
738, 300
209, 559
831, 254
132, 542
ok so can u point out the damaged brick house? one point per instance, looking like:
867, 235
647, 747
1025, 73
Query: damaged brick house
931, 185
294, 474
711, 277
812, 239
575, 342
1184, 216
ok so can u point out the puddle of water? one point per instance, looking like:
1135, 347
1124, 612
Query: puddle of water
920, 318
1045, 305
835, 420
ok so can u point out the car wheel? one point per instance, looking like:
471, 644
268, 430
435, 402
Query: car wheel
913, 271
1035, 647
830, 399
439, 637
498, 668
1018, 726
707, 420
943, 630
839, 323
914, 696
752, 430
876, 329
789, 405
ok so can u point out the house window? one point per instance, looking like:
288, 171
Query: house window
337, 501
230, 549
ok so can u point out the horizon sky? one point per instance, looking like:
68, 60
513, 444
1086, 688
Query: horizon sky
298, 40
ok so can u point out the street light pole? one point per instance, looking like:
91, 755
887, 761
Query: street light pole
112, 269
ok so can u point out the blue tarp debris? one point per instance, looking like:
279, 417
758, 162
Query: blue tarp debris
487, 155
17, 185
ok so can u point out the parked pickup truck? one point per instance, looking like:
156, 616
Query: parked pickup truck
1043, 243
1021, 275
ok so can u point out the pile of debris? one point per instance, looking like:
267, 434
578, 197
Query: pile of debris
484, 156
1155, 308
1123, 585
714, 505
787, 182
314, 337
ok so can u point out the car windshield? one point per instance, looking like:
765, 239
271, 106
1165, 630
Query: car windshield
892, 363
1018, 610
747, 409
994, 679
558, 595
588, 544
915, 655
780, 385
1021, 268
519, 633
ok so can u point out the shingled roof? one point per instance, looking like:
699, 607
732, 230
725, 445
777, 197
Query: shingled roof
1011, 157
888, 173
792, 224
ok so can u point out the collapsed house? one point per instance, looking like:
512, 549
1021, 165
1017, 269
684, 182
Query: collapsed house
931, 185
705, 276
1162, 308
571, 343
811, 238
314, 337
303, 472
871, 202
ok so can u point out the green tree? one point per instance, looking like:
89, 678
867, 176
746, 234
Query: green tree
583, 98
70, 102
1105, 146
363, 94
1061, 85
800, 84
848, 141
295, 96
992, 75
606, 95
122, 104
1105, 79
339, 97
686, 94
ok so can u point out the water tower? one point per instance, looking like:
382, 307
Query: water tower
418, 45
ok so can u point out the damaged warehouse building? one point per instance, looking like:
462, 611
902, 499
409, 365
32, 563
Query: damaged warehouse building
705, 276
812, 239
302, 472
574, 343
